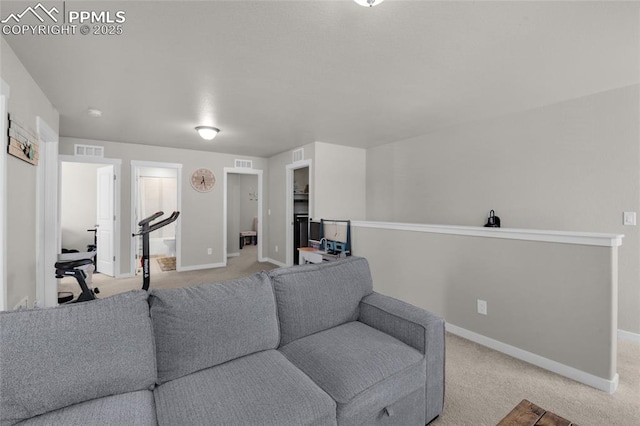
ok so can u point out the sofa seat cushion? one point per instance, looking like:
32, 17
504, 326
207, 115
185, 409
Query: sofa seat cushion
259, 389
361, 368
133, 408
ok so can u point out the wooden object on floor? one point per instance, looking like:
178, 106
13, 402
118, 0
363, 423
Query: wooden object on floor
529, 414
167, 263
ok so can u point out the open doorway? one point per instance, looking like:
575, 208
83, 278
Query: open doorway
299, 207
88, 213
242, 221
156, 188
242, 216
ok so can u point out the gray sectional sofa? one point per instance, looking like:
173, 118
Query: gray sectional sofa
307, 345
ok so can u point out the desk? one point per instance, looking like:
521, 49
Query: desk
312, 255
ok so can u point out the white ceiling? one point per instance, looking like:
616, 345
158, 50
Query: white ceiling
274, 75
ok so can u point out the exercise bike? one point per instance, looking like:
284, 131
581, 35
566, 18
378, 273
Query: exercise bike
71, 268
146, 227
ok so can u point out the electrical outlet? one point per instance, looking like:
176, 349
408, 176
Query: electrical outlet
276, 249
482, 307
629, 219
209, 250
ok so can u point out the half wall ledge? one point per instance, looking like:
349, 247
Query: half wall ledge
562, 237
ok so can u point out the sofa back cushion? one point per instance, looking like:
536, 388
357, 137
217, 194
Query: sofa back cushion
199, 327
55, 357
312, 298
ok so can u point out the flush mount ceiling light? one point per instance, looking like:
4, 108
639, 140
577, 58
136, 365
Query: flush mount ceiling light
368, 3
94, 112
207, 132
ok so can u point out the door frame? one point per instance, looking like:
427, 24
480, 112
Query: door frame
117, 163
135, 165
48, 216
242, 171
289, 203
4, 99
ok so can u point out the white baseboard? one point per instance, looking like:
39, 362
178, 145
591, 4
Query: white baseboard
275, 262
589, 379
233, 254
628, 336
199, 267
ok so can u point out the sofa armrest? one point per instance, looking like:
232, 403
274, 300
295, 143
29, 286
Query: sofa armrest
417, 328
409, 324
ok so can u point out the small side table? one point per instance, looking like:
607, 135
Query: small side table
253, 235
529, 414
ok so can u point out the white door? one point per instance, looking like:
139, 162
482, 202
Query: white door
105, 220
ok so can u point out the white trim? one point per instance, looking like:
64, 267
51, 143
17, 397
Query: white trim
289, 168
92, 160
116, 162
242, 171
275, 262
233, 255
582, 238
628, 336
47, 234
4, 95
200, 267
589, 379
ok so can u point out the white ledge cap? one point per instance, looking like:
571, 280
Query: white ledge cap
563, 237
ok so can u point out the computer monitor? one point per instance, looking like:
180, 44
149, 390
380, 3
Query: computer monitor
315, 232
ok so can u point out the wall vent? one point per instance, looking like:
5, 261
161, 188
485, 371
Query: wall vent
298, 155
244, 164
88, 150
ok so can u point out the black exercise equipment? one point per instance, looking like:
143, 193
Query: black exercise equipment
145, 229
69, 268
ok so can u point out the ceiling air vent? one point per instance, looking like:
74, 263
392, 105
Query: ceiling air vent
244, 164
298, 155
88, 151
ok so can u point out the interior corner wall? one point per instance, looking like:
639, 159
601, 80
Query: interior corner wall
570, 166
340, 182
26, 103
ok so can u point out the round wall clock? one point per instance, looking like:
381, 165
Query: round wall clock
203, 180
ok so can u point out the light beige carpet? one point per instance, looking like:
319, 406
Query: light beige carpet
241, 266
483, 386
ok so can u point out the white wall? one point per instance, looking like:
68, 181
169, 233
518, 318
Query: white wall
554, 300
233, 214
78, 201
340, 182
277, 197
202, 213
572, 166
26, 103
248, 201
